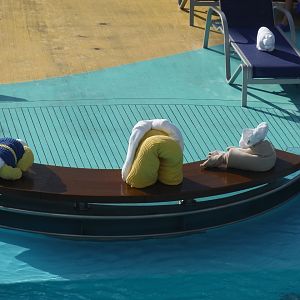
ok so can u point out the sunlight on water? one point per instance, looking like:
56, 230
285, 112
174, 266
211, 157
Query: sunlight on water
254, 259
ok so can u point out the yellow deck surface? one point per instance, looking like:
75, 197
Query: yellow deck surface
48, 38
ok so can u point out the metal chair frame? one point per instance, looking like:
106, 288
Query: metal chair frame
245, 67
194, 3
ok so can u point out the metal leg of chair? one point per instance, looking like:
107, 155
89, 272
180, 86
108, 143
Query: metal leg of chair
207, 29
182, 3
192, 11
227, 61
244, 87
235, 75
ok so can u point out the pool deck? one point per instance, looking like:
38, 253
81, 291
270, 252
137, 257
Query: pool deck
77, 76
42, 39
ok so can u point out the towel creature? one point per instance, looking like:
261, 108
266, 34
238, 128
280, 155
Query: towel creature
265, 39
15, 157
155, 152
253, 154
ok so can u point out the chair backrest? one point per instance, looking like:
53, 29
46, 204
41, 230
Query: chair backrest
248, 13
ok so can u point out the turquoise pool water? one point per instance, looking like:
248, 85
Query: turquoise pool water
254, 259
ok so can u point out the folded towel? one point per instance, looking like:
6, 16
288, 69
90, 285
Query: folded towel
157, 158
139, 131
252, 136
265, 39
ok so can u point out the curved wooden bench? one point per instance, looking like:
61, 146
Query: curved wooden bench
88, 201
106, 186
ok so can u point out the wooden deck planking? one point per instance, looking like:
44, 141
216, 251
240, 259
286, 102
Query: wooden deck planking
183, 122
200, 133
32, 127
282, 121
74, 157
96, 136
59, 135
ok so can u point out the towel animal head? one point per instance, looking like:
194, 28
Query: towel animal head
265, 39
15, 157
252, 136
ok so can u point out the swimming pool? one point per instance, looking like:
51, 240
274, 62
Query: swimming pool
253, 259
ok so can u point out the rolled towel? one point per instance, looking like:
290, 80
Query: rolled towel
265, 39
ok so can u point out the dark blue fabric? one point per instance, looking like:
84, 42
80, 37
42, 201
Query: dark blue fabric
248, 13
283, 62
7, 155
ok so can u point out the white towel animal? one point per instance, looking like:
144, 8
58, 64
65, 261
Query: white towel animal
252, 136
265, 39
254, 153
139, 131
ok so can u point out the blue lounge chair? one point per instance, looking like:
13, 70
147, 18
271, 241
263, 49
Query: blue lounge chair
240, 23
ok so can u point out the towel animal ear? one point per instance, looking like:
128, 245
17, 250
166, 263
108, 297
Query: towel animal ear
15, 158
252, 136
158, 157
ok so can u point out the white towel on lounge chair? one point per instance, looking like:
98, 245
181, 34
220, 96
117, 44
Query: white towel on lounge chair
252, 136
139, 131
265, 39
